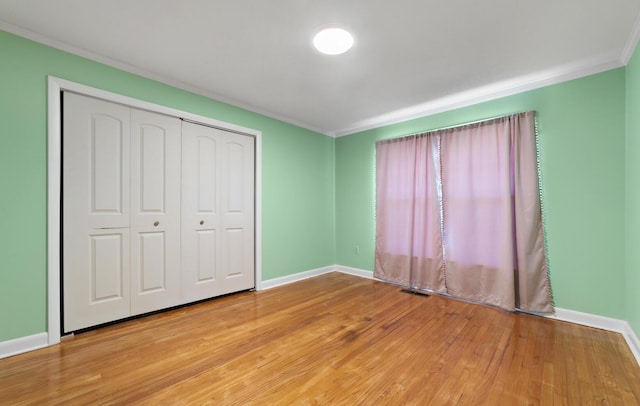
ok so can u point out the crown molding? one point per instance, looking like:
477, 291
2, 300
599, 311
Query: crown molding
632, 42
114, 63
494, 91
471, 97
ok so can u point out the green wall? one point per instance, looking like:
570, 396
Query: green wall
582, 142
318, 193
297, 171
633, 192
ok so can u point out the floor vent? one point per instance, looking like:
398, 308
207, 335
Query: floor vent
415, 292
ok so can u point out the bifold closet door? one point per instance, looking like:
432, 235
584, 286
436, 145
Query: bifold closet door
217, 212
121, 212
96, 171
155, 211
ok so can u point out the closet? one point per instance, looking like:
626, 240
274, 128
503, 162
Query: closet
217, 222
156, 212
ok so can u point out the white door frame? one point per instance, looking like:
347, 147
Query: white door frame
54, 173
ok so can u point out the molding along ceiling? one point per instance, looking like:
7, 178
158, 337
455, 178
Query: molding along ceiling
410, 58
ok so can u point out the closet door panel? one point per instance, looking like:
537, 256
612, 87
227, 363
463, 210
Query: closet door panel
107, 263
206, 172
152, 269
234, 252
206, 255
95, 215
100, 292
238, 212
95, 162
107, 168
201, 180
155, 211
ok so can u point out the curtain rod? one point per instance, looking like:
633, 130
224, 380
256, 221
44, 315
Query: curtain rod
484, 120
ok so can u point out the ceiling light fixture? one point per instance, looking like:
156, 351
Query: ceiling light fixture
333, 41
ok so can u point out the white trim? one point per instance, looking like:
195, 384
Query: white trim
475, 96
285, 280
490, 92
258, 213
36, 341
55, 86
63, 84
355, 272
585, 319
604, 323
54, 175
632, 42
33, 36
633, 340
23, 344
588, 319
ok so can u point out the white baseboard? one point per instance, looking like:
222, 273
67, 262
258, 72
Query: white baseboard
585, 319
355, 271
633, 341
591, 320
36, 341
604, 323
285, 280
23, 344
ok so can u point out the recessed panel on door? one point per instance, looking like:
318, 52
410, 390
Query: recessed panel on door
206, 256
236, 167
97, 291
206, 174
107, 267
152, 161
235, 252
155, 168
152, 266
95, 162
106, 163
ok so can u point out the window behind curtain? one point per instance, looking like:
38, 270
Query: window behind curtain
458, 211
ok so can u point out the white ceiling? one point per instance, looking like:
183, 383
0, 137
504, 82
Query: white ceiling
411, 57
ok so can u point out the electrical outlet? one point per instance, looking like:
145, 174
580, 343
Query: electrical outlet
356, 249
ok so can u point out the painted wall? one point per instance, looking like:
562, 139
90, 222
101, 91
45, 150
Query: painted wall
633, 192
582, 142
311, 182
298, 176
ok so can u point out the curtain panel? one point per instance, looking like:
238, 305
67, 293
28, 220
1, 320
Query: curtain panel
458, 212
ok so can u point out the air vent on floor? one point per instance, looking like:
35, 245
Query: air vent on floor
414, 292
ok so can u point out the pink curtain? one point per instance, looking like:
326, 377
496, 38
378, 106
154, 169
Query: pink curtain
458, 212
408, 214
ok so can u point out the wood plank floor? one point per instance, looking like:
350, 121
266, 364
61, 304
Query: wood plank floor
334, 339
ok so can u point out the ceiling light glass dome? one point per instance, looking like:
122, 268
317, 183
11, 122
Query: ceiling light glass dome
333, 41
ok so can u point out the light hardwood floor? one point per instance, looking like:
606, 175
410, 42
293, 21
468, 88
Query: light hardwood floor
334, 339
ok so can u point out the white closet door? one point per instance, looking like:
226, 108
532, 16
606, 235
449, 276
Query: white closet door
201, 178
237, 212
155, 211
95, 212
217, 212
